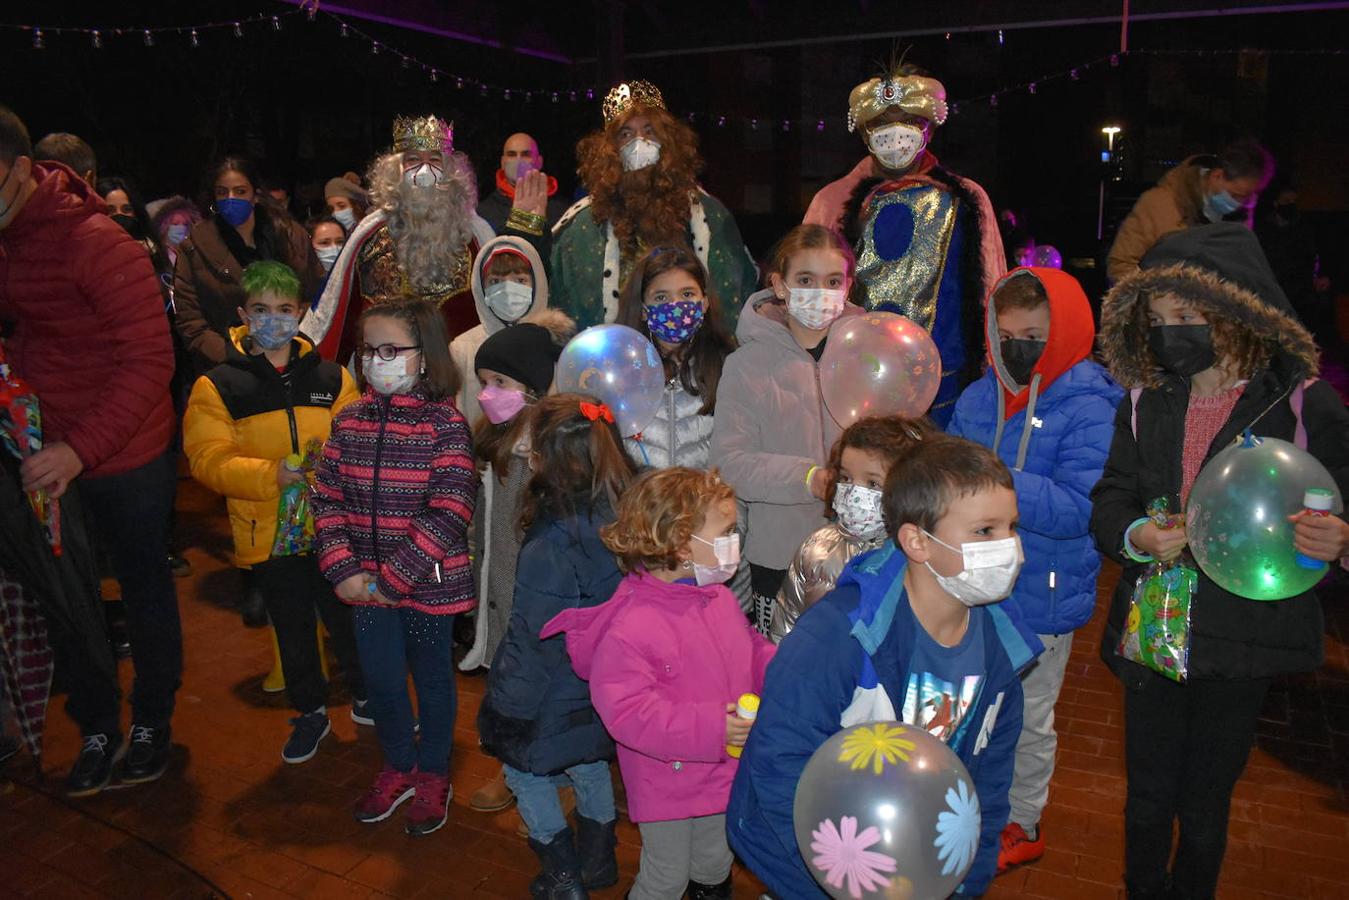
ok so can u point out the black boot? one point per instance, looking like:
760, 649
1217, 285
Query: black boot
710, 891
595, 844
561, 876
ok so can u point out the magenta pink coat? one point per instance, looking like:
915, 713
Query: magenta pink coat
663, 660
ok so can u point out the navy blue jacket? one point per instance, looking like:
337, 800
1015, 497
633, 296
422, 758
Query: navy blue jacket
536, 715
1056, 450
847, 656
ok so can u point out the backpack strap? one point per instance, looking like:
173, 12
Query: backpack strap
1295, 403
1134, 394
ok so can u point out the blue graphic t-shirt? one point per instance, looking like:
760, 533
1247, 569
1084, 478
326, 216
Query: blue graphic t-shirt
943, 683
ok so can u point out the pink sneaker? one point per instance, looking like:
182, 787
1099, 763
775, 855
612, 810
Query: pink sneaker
390, 789
431, 806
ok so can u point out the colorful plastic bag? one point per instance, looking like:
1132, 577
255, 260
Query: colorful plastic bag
1157, 629
21, 434
294, 515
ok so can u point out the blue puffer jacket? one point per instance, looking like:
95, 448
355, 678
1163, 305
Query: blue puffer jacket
1055, 441
847, 662
536, 715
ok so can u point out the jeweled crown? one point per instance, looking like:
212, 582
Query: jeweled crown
629, 94
425, 133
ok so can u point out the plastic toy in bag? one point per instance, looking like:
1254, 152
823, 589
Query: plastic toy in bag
21, 434
1157, 629
294, 515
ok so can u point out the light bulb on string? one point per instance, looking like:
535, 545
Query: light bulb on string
571, 95
405, 62
721, 121
1074, 74
459, 84
238, 30
753, 124
1000, 37
342, 32
1114, 60
590, 93
819, 126
506, 94
276, 24
433, 76
993, 100
1031, 88
96, 39
555, 96
786, 125
37, 39
149, 38
374, 48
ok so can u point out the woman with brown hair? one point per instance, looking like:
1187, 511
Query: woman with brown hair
641, 170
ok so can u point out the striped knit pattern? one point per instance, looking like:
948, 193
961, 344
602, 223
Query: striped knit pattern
394, 497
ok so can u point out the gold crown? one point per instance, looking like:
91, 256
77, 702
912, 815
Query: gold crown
629, 95
426, 133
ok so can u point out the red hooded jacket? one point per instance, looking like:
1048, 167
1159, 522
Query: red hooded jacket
90, 334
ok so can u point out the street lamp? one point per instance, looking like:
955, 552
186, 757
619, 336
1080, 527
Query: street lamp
1108, 159
1110, 131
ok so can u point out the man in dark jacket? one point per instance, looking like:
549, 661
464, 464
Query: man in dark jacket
89, 335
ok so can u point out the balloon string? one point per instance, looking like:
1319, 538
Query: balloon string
1248, 439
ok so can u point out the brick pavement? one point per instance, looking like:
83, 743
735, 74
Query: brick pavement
254, 827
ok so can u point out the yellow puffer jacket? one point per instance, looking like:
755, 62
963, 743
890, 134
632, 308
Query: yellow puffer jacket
245, 417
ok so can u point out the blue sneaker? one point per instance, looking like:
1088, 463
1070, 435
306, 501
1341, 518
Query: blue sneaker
308, 730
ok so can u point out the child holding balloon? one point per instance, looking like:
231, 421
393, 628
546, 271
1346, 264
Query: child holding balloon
1046, 409
858, 464
666, 300
536, 715
1208, 345
666, 660
913, 632
772, 434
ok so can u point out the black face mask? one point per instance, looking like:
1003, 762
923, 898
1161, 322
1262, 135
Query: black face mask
131, 225
1184, 350
1020, 356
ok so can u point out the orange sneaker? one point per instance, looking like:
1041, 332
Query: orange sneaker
1017, 847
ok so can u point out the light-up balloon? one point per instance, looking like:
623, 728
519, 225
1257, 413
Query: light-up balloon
1237, 517
619, 367
886, 810
878, 364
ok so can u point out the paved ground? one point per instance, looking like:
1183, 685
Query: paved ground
230, 816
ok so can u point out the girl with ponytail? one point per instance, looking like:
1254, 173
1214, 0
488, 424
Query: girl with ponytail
536, 715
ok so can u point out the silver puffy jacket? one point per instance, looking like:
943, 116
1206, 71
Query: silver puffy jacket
813, 572
678, 436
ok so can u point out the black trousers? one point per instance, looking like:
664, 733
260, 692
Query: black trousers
129, 518
296, 594
1185, 747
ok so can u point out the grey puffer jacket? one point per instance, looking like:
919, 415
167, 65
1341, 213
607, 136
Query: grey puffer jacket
771, 427
814, 572
678, 436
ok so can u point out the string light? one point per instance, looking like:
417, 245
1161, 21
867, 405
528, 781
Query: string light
149, 38
433, 76
276, 24
238, 30
96, 39
195, 42
37, 38
343, 32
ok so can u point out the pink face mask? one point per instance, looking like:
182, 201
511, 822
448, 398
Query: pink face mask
500, 404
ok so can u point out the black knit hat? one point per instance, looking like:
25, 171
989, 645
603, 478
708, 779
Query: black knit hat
525, 352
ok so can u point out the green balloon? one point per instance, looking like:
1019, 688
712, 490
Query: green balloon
1237, 518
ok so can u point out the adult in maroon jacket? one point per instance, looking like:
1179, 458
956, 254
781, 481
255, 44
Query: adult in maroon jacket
89, 334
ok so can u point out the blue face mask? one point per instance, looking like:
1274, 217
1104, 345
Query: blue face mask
1220, 205
272, 331
234, 211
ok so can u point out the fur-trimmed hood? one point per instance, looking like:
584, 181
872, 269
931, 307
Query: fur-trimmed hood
1223, 272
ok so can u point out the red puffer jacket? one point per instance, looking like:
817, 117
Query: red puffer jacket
90, 334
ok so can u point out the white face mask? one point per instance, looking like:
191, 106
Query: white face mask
390, 376
896, 145
424, 176
509, 300
859, 511
639, 153
815, 308
328, 255
346, 216
990, 570
727, 549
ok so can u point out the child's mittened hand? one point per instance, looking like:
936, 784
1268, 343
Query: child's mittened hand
1321, 537
737, 729
1163, 544
353, 589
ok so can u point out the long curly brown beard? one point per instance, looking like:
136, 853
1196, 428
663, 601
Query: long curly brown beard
650, 206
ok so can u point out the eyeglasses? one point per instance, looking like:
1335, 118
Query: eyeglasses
385, 352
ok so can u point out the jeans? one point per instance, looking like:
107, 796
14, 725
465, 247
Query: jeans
1185, 746
540, 807
1038, 744
394, 641
129, 517
294, 590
